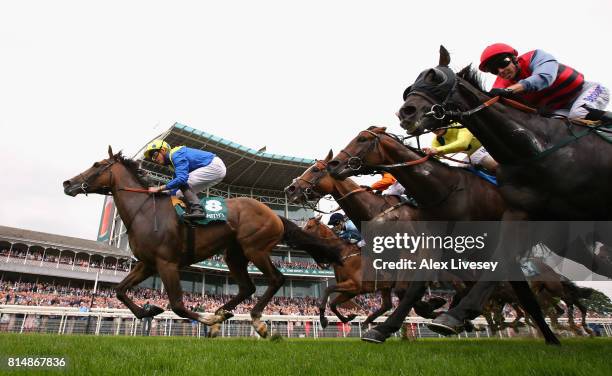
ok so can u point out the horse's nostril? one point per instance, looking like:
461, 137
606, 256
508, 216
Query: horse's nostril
407, 111
66, 184
290, 189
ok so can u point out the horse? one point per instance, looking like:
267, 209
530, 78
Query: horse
350, 284
442, 193
360, 204
160, 241
534, 184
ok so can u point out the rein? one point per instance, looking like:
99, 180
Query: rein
439, 112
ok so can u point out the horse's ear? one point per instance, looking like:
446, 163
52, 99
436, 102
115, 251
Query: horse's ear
110, 152
318, 217
379, 129
330, 155
444, 57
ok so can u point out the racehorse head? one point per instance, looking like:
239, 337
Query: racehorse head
313, 184
315, 227
430, 92
103, 175
362, 154
96, 179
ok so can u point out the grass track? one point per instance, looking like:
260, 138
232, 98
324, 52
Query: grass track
89, 355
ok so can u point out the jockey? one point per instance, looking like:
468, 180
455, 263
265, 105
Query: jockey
344, 228
194, 171
388, 186
541, 81
461, 140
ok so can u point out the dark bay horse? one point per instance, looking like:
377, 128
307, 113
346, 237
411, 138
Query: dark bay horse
442, 193
159, 240
550, 169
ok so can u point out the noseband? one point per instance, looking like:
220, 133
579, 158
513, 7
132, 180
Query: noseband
355, 162
86, 180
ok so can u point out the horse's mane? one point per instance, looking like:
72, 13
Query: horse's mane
472, 76
133, 167
419, 152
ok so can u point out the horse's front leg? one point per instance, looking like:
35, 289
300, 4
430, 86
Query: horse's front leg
139, 273
169, 274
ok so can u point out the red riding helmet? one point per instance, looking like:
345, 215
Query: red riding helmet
492, 50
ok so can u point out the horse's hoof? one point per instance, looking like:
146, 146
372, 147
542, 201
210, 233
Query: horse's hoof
214, 330
223, 314
324, 322
209, 320
262, 330
554, 341
446, 325
373, 336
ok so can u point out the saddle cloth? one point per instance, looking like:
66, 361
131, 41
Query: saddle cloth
215, 209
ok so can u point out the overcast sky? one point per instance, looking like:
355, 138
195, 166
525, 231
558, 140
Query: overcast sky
297, 77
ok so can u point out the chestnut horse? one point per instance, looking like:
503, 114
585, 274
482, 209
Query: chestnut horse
159, 240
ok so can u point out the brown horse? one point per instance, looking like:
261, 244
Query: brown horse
359, 204
349, 280
442, 193
159, 240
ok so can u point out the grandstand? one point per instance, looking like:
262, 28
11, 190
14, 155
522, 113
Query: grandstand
31, 256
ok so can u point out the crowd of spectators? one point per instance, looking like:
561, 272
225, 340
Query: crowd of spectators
47, 294
80, 261
280, 263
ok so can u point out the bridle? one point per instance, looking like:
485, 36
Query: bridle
85, 184
309, 192
441, 111
355, 162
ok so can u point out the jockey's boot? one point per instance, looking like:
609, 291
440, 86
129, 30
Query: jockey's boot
193, 202
605, 117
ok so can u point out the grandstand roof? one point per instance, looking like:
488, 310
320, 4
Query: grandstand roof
246, 167
43, 239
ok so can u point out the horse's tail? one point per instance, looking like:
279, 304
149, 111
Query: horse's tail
321, 250
577, 291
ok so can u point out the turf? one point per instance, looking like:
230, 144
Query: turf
90, 355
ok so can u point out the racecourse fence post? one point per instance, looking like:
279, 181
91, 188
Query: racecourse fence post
59, 329
487, 329
419, 330
25, 316
170, 328
99, 324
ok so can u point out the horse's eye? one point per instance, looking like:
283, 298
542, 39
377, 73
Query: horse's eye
315, 169
96, 164
361, 139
